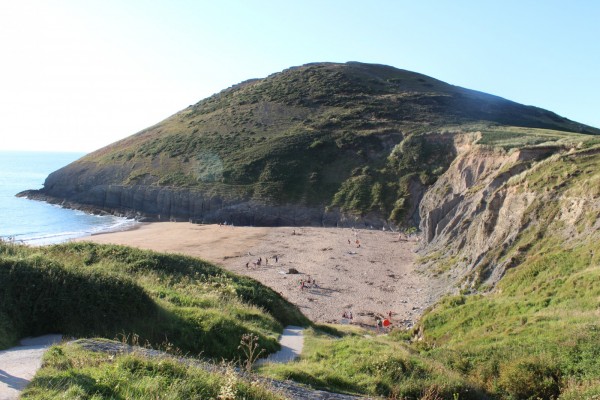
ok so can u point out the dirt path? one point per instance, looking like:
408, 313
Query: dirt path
366, 272
292, 343
19, 364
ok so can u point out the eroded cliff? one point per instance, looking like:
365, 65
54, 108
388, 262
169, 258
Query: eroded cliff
491, 206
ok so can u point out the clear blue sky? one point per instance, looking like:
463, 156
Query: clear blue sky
76, 75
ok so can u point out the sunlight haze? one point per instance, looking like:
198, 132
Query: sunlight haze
79, 75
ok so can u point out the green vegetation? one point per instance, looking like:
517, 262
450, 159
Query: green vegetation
365, 139
509, 137
537, 334
358, 137
73, 373
357, 362
84, 289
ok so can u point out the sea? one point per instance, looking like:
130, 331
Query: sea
36, 222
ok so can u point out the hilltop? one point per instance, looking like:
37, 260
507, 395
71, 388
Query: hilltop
320, 144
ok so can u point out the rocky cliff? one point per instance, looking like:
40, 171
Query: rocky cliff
484, 214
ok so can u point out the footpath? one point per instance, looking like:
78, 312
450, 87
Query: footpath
19, 364
292, 343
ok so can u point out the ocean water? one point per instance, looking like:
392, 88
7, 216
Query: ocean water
35, 222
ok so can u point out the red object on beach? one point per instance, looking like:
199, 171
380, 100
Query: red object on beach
386, 322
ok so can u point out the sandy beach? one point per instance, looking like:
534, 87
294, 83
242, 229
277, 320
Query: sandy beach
366, 272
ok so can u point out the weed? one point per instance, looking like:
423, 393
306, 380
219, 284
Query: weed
250, 347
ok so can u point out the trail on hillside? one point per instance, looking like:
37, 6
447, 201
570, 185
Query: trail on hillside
19, 364
292, 343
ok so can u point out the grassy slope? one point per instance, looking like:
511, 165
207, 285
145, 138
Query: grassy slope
538, 332
72, 373
342, 135
349, 359
84, 289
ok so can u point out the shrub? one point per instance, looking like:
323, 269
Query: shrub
530, 378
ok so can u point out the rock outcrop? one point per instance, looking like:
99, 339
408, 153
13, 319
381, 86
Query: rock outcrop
475, 212
153, 203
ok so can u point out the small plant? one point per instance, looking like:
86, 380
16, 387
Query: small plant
249, 346
228, 390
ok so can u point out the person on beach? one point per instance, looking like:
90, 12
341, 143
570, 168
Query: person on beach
390, 315
276, 259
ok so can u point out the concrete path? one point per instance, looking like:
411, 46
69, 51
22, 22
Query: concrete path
19, 364
292, 343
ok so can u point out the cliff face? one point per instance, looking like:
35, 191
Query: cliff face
155, 203
491, 207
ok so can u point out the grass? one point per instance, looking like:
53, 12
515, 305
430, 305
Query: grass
358, 362
536, 335
70, 372
538, 331
84, 289
510, 137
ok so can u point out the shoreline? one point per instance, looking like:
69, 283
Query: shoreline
129, 227
366, 272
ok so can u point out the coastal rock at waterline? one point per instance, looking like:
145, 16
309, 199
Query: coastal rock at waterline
152, 203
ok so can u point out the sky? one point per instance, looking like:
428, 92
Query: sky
77, 75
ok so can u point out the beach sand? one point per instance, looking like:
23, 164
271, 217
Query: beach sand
370, 280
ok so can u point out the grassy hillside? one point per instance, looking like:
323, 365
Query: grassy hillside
83, 289
70, 372
358, 137
537, 333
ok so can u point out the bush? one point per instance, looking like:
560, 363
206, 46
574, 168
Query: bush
40, 296
530, 378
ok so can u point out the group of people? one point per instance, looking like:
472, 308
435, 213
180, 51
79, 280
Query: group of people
348, 315
356, 242
259, 261
310, 282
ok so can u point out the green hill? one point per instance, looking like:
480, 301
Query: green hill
317, 144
